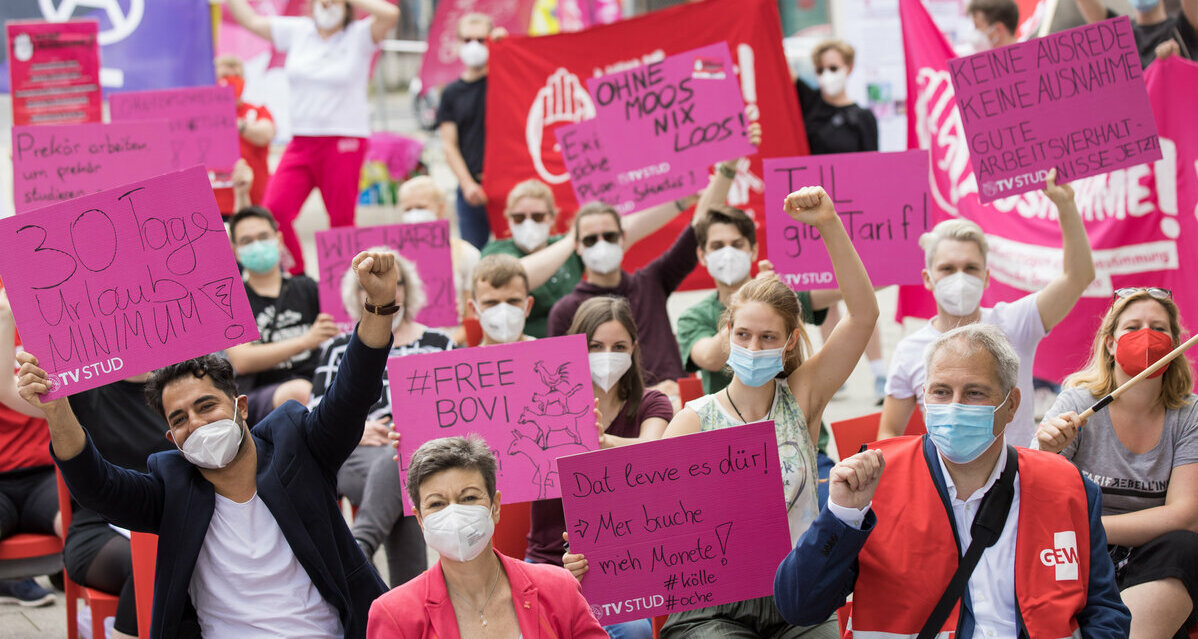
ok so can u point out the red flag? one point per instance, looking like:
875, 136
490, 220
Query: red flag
1140, 220
537, 84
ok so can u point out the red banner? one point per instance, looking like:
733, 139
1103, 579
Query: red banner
1141, 220
538, 84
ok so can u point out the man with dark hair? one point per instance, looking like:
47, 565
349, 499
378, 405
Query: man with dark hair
280, 364
250, 537
1158, 34
997, 23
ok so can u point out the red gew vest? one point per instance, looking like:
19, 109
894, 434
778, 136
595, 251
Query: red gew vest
911, 554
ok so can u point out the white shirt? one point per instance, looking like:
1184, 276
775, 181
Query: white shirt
248, 583
1019, 320
326, 78
992, 584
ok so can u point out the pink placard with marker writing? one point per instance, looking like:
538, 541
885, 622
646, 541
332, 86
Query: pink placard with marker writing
672, 117
426, 245
203, 122
122, 282
677, 524
531, 401
882, 200
52, 163
1073, 100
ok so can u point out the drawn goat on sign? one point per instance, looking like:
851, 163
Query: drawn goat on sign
547, 424
543, 468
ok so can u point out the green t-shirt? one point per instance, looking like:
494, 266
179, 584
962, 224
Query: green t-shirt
547, 294
703, 320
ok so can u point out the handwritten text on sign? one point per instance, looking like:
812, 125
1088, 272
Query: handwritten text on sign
531, 401
53, 163
125, 281
591, 175
203, 122
670, 117
677, 524
425, 245
882, 199
1073, 100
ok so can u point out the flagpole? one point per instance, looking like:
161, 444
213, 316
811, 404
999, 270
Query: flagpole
1147, 372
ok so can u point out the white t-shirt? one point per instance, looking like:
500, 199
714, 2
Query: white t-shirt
248, 583
1019, 320
326, 78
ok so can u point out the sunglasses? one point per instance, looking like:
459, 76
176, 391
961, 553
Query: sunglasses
1158, 293
538, 217
611, 237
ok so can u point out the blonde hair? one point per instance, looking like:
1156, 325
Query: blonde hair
845, 50
422, 182
958, 229
1098, 376
778, 296
475, 17
535, 189
497, 270
413, 287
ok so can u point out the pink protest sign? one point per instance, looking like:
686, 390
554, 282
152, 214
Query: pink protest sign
425, 245
203, 122
1073, 100
52, 162
667, 118
589, 163
54, 71
531, 401
882, 199
122, 282
677, 524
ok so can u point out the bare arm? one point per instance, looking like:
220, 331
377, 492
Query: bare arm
642, 224
895, 415
453, 155
711, 353
8, 351
651, 430
259, 132
255, 358
1058, 298
686, 422
66, 435
249, 19
385, 14
1092, 11
542, 264
1189, 9
824, 298
1180, 512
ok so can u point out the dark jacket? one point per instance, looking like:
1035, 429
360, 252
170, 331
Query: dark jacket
299, 453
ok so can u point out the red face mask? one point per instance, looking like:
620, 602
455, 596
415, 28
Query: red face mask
1138, 350
235, 81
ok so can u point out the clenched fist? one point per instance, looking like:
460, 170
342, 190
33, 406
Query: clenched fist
852, 482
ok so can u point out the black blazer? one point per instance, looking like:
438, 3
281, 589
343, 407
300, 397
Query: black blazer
299, 453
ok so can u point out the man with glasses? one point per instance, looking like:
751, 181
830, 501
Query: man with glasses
461, 120
957, 274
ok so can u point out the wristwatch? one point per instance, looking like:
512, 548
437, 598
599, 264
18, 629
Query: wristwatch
385, 309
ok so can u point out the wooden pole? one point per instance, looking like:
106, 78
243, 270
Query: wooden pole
1102, 403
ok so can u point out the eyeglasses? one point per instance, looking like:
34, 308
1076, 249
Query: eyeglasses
1158, 293
611, 237
478, 40
537, 216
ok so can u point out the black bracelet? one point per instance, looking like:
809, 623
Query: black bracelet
727, 171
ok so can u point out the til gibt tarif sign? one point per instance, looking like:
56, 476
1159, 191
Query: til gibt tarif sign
1074, 101
125, 281
56, 162
203, 122
531, 401
677, 524
670, 118
425, 245
882, 199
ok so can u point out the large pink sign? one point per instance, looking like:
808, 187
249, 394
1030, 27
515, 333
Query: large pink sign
1073, 100
54, 71
122, 282
677, 524
425, 245
667, 118
52, 163
203, 122
532, 402
590, 163
882, 199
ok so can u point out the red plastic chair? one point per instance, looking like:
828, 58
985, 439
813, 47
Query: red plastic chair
689, 388
511, 534
144, 547
658, 622
842, 614
28, 554
103, 605
850, 434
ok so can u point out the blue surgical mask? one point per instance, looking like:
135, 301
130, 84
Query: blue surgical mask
961, 432
260, 256
755, 368
1144, 5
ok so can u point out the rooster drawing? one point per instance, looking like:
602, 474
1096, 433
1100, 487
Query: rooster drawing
552, 380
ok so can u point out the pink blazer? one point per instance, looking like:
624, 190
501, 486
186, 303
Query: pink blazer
548, 600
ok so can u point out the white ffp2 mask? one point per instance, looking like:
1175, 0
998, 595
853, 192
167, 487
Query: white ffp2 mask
459, 532
960, 293
608, 368
729, 265
503, 323
214, 444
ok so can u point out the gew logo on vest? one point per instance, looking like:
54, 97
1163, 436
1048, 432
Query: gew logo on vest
1062, 556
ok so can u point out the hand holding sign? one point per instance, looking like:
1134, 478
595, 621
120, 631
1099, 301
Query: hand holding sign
33, 382
1060, 194
852, 482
